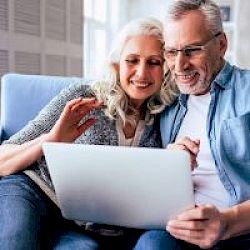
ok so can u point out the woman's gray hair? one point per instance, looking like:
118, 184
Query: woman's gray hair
110, 91
210, 9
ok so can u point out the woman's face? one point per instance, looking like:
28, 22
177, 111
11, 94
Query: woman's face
141, 67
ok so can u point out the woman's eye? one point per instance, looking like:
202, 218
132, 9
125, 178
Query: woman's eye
131, 61
154, 62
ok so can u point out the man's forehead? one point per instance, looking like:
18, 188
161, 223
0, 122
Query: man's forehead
190, 28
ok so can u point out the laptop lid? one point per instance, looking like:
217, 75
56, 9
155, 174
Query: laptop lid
123, 186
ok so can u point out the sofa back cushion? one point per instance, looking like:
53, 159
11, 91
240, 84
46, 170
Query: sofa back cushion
23, 96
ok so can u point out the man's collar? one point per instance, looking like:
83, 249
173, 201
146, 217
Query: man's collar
183, 99
223, 77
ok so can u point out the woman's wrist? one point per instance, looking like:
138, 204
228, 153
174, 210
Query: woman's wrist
48, 137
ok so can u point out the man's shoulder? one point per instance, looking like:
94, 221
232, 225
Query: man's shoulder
241, 79
233, 77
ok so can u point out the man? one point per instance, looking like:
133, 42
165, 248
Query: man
211, 119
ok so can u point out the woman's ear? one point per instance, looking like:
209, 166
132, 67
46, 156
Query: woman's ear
117, 67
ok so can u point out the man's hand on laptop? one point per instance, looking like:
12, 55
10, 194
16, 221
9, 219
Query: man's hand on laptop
191, 146
203, 225
69, 126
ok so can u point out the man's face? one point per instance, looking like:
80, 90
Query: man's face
194, 69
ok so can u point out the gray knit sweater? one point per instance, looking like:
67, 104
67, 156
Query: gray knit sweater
103, 132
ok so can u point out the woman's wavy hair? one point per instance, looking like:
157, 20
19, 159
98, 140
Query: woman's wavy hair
115, 99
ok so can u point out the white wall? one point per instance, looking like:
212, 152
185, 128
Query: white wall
243, 35
141, 8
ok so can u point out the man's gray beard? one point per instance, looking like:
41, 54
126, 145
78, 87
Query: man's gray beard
196, 90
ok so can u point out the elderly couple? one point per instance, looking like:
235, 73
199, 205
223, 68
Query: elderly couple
208, 115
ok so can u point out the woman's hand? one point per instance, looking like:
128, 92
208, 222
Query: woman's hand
68, 127
191, 146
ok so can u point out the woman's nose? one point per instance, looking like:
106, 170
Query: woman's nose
142, 70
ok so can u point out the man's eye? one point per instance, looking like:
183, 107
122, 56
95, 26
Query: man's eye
192, 51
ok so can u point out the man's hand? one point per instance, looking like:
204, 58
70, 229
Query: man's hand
191, 146
203, 226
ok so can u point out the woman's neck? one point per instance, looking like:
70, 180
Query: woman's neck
133, 116
130, 125
129, 130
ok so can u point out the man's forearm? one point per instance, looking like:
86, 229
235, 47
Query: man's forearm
237, 220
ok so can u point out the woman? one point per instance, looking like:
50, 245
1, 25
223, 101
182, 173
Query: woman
122, 110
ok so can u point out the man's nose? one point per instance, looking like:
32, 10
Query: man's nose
181, 62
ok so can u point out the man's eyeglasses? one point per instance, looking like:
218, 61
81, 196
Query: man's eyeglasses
189, 51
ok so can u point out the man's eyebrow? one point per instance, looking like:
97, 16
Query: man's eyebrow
198, 43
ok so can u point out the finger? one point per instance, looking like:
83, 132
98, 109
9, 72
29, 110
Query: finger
187, 225
201, 212
197, 141
82, 102
194, 163
191, 145
87, 124
173, 146
187, 233
68, 106
73, 102
86, 105
79, 113
67, 109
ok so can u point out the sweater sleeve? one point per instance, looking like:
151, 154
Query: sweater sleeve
48, 116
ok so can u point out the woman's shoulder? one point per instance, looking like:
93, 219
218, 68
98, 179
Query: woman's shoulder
80, 88
87, 88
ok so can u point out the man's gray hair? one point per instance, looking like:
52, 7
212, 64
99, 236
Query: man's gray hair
209, 8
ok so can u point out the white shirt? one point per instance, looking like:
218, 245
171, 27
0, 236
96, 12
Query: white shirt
207, 185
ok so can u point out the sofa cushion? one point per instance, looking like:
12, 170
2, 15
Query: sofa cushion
23, 96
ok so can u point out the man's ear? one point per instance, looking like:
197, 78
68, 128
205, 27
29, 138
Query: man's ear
223, 44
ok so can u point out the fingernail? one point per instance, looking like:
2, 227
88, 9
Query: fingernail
170, 223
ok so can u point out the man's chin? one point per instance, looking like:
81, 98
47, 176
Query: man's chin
193, 91
185, 88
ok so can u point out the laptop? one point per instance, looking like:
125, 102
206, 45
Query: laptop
122, 186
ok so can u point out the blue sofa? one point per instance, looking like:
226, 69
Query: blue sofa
23, 96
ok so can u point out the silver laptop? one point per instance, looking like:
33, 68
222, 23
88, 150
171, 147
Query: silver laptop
123, 186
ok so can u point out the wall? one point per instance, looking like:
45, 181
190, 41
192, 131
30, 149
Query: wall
41, 37
140, 8
243, 36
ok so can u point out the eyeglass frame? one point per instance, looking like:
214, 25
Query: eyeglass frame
189, 49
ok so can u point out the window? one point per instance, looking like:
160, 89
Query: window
100, 22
